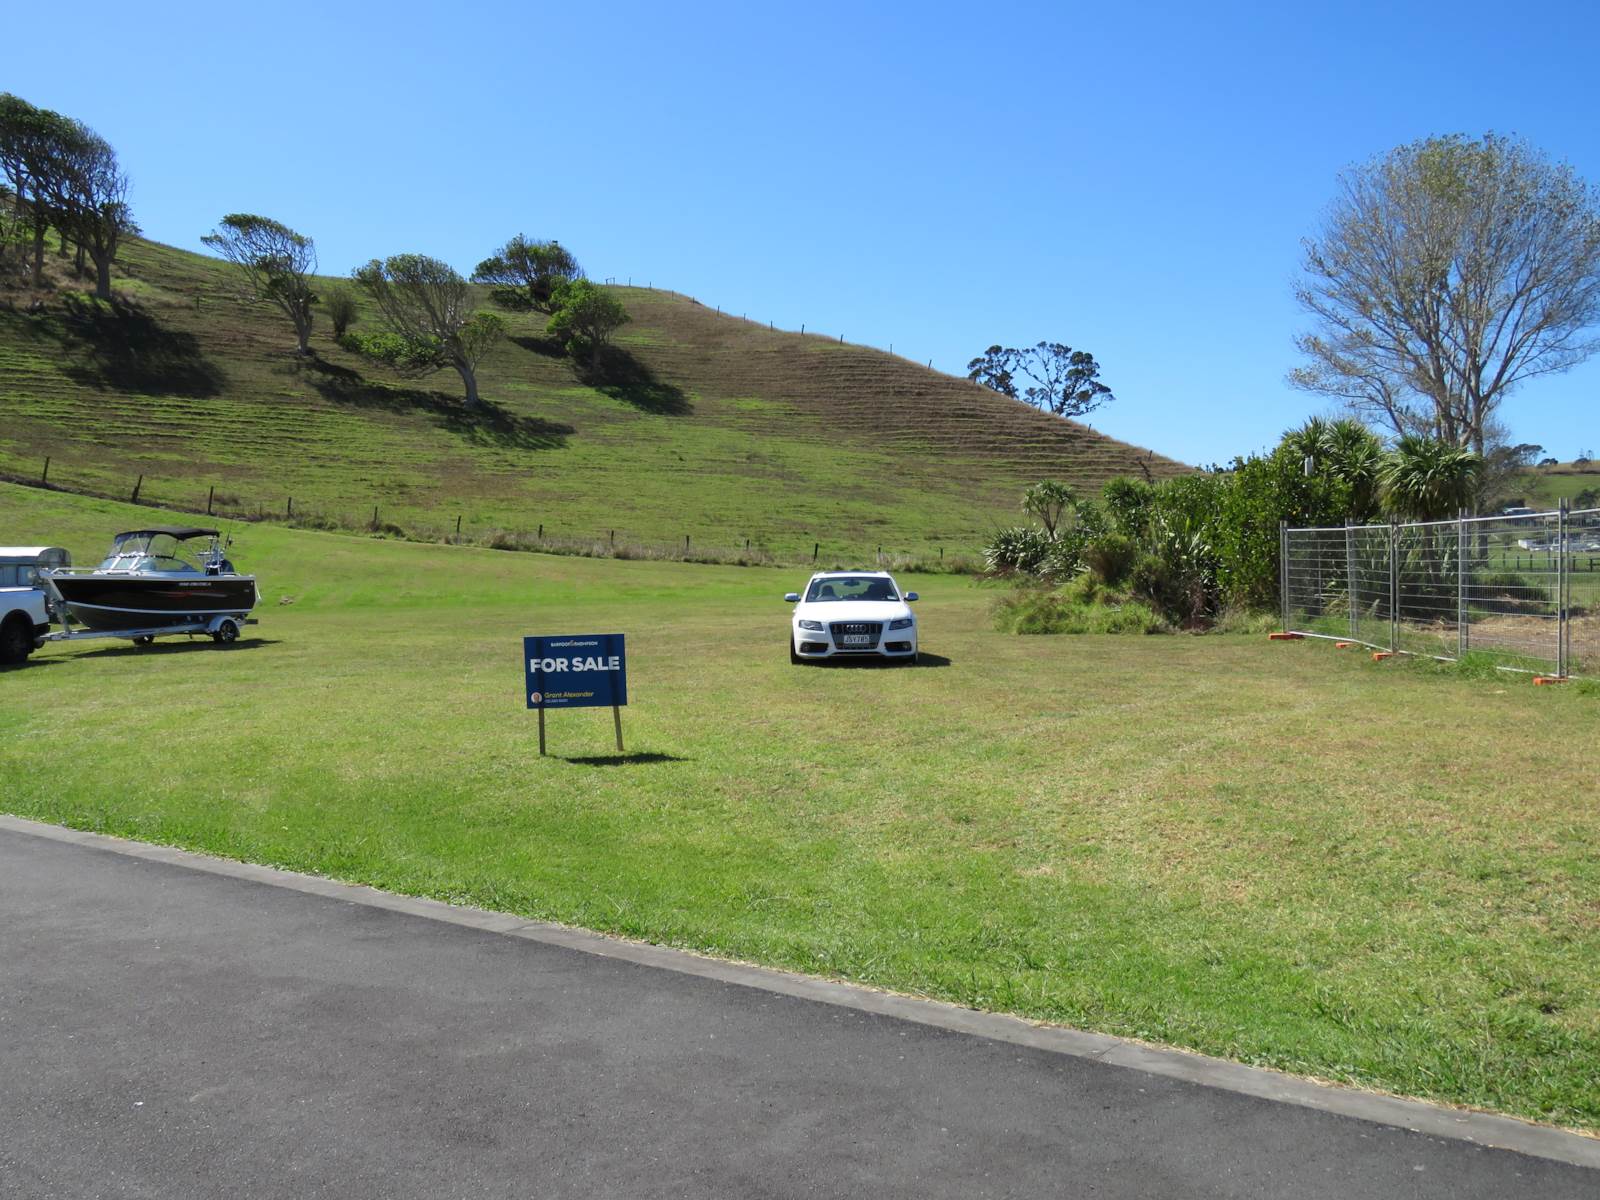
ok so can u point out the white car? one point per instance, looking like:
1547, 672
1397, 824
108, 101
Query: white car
848, 614
24, 612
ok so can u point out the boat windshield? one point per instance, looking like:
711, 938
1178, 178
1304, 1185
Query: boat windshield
153, 552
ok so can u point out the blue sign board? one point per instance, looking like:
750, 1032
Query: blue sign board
584, 670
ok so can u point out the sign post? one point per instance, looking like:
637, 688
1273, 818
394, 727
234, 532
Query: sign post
586, 670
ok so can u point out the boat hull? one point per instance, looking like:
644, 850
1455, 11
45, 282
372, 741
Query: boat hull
110, 603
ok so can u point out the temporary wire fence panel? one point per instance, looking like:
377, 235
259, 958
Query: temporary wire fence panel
1512, 590
1371, 591
1522, 589
1315, 578
1582, 625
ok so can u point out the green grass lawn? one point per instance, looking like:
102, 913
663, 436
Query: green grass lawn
1280, 853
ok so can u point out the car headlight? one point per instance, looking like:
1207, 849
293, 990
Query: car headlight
901, 623
817, 625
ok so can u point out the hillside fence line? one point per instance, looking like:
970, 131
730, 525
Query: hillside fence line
696, 546
1523, 591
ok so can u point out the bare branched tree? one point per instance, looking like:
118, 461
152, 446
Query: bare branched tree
430, 323
277, 264
1446, 273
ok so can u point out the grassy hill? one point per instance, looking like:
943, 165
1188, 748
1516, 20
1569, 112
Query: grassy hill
718, 428
1545, 487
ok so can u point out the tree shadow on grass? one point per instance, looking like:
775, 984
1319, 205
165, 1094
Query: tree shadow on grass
488, 424
544, 346
617, 373
118, 346
621, 760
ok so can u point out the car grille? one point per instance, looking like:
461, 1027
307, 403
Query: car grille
842, 630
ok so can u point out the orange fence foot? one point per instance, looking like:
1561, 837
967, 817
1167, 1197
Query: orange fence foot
1343, 645
1284, 637
1541, 680
1380, 655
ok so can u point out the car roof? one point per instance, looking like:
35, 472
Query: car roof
849, 574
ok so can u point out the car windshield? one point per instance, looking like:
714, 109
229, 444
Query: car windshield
851, 587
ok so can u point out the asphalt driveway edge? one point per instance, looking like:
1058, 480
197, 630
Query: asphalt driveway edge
1417, 1116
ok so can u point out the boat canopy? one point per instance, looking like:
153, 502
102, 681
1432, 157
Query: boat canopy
181, 533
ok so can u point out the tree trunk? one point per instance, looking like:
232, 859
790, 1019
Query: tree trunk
77, 262
38, 254
302, 333
102, 275
469, 380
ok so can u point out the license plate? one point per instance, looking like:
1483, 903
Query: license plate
857, 639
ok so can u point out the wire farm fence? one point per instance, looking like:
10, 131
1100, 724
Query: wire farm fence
1523, 589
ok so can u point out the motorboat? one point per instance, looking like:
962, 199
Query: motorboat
168, 577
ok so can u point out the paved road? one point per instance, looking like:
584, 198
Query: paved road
170, 1033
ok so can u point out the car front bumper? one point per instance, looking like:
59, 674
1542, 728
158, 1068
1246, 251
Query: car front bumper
821, 644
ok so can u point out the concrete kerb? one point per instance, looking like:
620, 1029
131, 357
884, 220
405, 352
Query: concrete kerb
1417, 1116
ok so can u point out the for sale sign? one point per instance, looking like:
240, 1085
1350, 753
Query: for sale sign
586, 670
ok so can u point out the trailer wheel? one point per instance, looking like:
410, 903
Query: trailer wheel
226, 632
16, 639
147, 640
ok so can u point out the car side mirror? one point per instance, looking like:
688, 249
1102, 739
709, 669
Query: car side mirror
910, 596
792, 597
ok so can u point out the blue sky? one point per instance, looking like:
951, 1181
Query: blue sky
1133, 180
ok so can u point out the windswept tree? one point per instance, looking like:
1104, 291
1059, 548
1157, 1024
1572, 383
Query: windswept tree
524, 276
83, 187
30, 138
1446, 273
1049, 376
277, 265
586, 315
429, 323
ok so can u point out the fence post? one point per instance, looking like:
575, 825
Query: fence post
137, 485
1563, 581
1350, 580
288, 508
458, 526
1461, 584
45, 478
1283, 572
815, 549
1394, 586
211, 495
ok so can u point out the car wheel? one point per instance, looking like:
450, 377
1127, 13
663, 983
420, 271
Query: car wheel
146, 640
794, 655
16, 640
